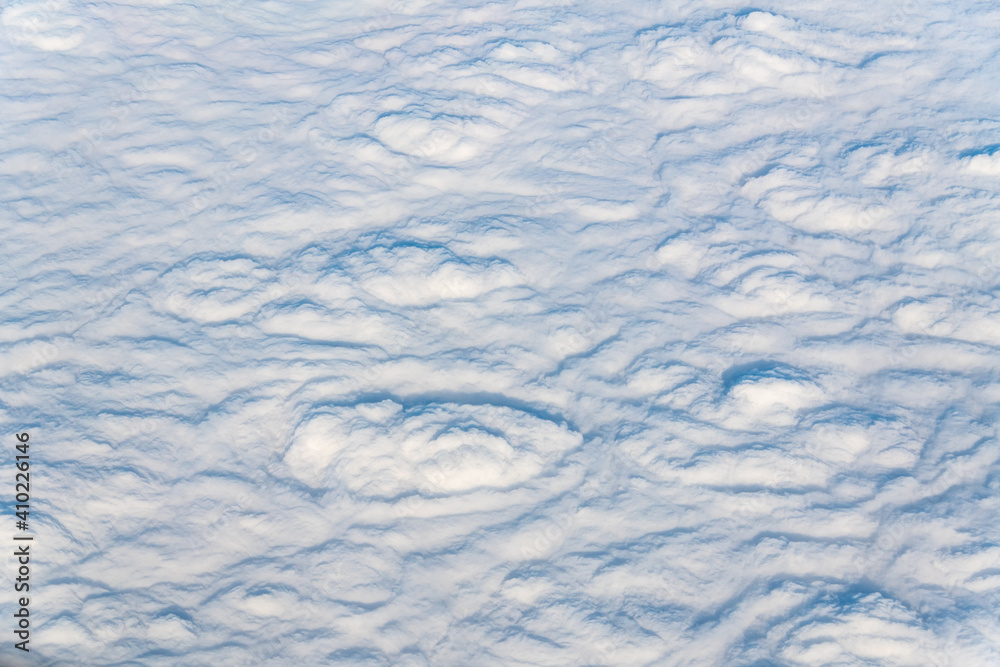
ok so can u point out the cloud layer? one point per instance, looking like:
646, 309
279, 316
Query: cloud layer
506, 333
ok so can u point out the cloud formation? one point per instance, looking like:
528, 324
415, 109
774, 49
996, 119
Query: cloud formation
504, 334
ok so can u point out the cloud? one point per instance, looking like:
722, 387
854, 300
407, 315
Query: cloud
513, 333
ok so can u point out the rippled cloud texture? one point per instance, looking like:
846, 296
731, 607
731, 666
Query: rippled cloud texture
522, 333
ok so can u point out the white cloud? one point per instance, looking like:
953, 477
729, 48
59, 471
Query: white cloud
527, 333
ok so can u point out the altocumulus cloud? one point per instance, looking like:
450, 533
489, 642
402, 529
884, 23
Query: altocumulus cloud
504, 333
